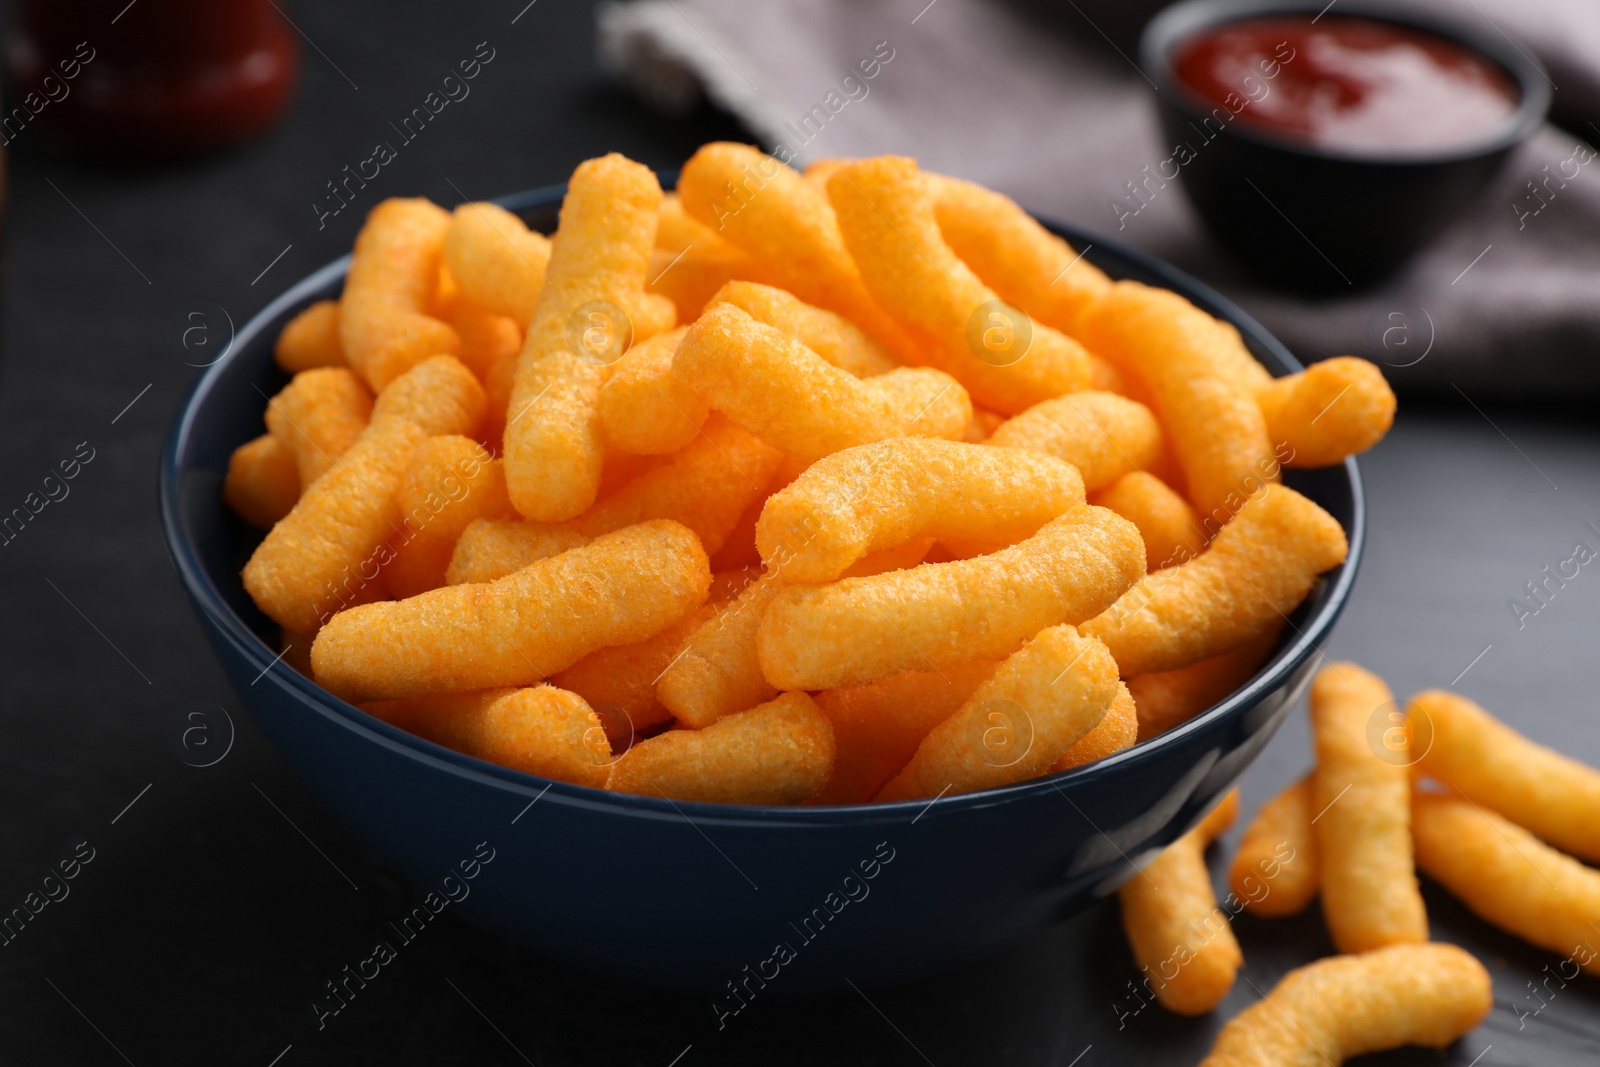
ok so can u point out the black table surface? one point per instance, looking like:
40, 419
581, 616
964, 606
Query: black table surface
212, 911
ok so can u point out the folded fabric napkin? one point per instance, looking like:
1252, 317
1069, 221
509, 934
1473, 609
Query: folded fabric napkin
1046, 104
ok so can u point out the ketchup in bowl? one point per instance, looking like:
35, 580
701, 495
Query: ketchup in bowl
1350, 85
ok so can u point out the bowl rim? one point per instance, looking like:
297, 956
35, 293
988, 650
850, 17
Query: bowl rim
207, 598
1178, 23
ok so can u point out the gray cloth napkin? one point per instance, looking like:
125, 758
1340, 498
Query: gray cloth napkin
1059, 117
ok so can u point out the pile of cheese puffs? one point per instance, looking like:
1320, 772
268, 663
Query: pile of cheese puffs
1441, 787
846, 486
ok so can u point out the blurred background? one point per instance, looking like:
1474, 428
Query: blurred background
171, 165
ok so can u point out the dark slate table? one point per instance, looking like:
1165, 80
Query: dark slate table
219, 899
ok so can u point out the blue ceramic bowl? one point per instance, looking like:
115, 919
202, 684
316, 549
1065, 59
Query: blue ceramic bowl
775, 900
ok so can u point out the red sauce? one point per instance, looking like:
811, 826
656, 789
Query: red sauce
1352, 84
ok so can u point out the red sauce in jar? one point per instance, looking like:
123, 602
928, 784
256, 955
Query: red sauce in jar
1350, 84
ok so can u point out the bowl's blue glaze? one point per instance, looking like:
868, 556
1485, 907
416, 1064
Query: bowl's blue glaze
689, 894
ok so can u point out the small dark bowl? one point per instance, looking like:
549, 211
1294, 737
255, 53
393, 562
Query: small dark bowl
1317, 219
699, 895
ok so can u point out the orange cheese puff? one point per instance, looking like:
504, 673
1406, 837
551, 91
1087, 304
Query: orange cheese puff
1331, 410
1485, 760
983, 425
818, 171
717, 672
493, 548
644, 408
1275, 872
1170, 698
496, 260
706, 487
782, 391
417, 565
1508, 876
486, 338
383, 325
872, 497
623, 588
788, 228
1117, 731
878, 726
263, 482
833, 337
310, 339
691, 262
451, 482
318, 416
589, 312
1323, 1013
939, 614
1169, 526
330, 547
1102, 434
1015, 256
739, 550
1172, 348
543, 730
1170, 915
779, 752
497, 384
620, 682
1006, 361
1369, 885
924, 402
1032, 709
1257, 570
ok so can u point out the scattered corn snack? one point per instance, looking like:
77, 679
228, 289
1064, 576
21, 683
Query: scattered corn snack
1275, 871
1326, 1012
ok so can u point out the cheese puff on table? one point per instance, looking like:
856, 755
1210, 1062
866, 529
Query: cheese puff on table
542, 730
833, 337
1014, 255
1276, 872
1324, 1013
1169, 526
496, 260
384, 327
937, 615
789, 229
1370, 897
1117, 731
875, 496
886, 213
644, 408
1180, 939
518, 630
591, 308
1035, 706
1509, 877
1488, 762
706, 487
1169, 698
779, 752
1102, 434
718, 671
1257, 570
313, 562
1330, 410
310, 339
878, 726
1172, 348
691, 262
619, 682
781, 391
263, 481
318, 416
